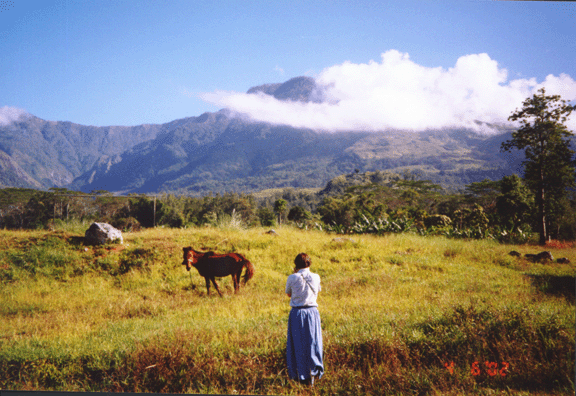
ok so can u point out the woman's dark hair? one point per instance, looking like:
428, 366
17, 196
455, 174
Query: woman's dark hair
302, 261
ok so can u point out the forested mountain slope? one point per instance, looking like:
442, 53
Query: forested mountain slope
42, 154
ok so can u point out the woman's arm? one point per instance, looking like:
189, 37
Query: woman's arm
288, 289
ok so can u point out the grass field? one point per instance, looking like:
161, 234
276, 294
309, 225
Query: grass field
401, 314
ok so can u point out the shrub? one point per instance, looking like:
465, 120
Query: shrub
126, 224
298, 214
267, 217
437, 221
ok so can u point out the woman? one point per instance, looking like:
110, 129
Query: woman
304, 344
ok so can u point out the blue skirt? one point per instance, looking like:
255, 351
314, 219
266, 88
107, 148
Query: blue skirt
304, 344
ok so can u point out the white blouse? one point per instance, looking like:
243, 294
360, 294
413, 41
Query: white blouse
303, 286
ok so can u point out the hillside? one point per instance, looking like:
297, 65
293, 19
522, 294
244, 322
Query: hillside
42, 154
217, 152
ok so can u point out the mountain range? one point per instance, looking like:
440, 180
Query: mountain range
220, 152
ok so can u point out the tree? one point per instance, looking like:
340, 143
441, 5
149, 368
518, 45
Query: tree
266, 216
340, 211
280, 209
514, 203
484, 193
145, 211
549, 168
298, 213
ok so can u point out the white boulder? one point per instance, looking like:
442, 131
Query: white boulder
100, 233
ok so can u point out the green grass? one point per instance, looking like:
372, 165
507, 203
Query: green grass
395, 310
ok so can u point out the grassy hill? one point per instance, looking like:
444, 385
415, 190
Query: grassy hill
401, 314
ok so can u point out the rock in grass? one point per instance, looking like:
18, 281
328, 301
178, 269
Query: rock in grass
100, 233
540, 257
343, 240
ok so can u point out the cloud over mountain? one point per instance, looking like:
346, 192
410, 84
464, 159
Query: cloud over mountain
10, 114
397, 93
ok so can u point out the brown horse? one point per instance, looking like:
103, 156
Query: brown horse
211, 265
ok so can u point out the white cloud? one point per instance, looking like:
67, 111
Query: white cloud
9, 115
397, 93
279, 70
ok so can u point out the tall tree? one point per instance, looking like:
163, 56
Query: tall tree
280, 209
549, 168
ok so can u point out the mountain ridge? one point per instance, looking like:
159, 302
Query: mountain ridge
217, 152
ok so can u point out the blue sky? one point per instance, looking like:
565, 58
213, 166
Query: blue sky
130, 62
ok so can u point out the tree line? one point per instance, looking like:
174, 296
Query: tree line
505, 209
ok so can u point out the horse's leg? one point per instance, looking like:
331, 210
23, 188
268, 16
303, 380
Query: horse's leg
207, 285
235, 280
238, 276
216, 285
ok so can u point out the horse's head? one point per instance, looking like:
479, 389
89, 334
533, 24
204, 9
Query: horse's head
188, 257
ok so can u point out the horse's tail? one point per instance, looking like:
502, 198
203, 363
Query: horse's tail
249, 272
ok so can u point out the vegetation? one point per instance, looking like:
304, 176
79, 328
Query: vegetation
424, 297
549, 168
372, 202
401, 314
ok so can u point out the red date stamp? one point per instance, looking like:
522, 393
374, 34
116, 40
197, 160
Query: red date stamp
493, 369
